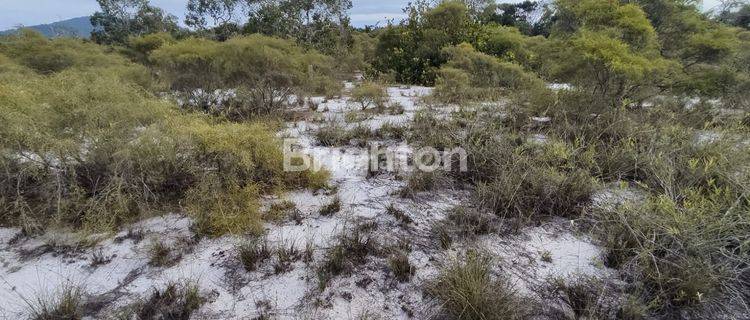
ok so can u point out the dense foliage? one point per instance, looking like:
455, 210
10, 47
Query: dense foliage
87, 145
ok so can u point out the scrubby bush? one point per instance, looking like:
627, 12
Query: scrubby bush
369, 94
452, 85
142, 46
92, 149
245, 76
472, 75
502, 41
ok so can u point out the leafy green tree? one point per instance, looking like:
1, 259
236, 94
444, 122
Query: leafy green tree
735, 13
517, 15
120, 19
411, 51
608, 49
217, 18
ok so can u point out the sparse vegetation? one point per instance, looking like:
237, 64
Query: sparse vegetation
399, 214
279, 211
286, 254
175, 301
160, 254
553, 103
350, 249
332, 207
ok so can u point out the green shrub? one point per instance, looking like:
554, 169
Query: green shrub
452, 85
502, 41
264, 73
142, 46
687, 253
471, 75
369, 93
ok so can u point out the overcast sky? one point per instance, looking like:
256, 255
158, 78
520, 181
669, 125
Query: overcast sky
33, 12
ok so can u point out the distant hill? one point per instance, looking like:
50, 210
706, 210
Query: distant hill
77, 27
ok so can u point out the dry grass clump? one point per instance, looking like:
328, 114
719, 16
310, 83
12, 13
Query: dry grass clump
160, 254
334, 134
332, 207
66, 303
399, 214
263, 73
175, 301
281, 210
350, 249
253, 253
420, 181
468, 290
400, 266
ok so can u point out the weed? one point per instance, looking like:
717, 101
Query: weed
160, 254
470, 221
421, 181
176, 301
331, 208
442, 234
98, 258
253, 253
286, 254
281, 210
399, 214
401, 267
351, 249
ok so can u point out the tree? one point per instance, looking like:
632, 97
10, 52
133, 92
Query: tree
517, 15
735, 13
412, 50
608, 49
223, 15
120, 19
219, 11
307, 21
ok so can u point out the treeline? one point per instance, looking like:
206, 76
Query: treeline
618, 51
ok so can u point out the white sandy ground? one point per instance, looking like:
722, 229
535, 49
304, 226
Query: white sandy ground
30, 268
